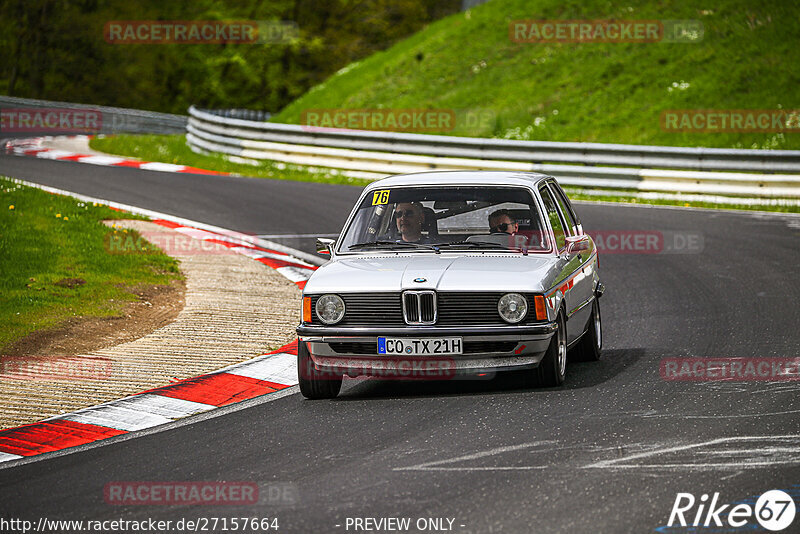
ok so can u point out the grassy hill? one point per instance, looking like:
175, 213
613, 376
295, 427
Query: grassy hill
748, 58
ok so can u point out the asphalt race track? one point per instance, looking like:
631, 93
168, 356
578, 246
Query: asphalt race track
609, 452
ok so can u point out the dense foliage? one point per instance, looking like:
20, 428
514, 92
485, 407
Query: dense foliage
55, 49
748, 58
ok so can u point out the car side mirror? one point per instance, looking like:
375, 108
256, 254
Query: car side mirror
325, 246
577, 243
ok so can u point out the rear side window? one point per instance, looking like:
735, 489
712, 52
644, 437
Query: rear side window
569, 217
571, 210
552, 215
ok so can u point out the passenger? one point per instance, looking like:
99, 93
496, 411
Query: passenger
410, 217
502, 222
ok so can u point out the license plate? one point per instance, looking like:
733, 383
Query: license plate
420, 346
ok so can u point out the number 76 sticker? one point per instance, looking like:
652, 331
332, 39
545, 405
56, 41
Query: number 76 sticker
380, 197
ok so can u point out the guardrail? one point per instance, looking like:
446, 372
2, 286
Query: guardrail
375, 154
244, 114
710, 159
112, 120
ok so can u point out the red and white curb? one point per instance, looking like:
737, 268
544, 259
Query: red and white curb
33, 147
259, 376
295, 270
262, 375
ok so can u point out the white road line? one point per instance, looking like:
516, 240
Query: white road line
615, 463
501, 468
436, 466
728, 416
765, 450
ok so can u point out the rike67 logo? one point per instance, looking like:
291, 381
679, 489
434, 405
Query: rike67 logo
774, 510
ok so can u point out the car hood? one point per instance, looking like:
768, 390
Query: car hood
442, 272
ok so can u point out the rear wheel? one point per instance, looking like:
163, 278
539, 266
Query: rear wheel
589, 347
315, 384
553, 367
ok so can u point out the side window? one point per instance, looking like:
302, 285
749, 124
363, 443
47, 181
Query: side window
568, 204
569, 218
552, 215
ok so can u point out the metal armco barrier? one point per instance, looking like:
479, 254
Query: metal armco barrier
691, 170
112, 120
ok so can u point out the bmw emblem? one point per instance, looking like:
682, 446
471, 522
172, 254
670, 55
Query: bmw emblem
420, 280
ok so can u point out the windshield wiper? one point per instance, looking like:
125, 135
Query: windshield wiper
471, 244
389, 244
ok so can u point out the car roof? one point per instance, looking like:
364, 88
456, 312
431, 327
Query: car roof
528, 179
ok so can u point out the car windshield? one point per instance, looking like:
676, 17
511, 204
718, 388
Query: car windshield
454, 218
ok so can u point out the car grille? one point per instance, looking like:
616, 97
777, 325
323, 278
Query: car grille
470, 347
449, 308
419, 307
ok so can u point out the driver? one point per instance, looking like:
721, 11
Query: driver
409, 217
502, 222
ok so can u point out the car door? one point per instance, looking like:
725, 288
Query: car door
569, 265
583, 281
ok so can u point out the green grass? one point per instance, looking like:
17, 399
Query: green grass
46, 239
592, 92
173, 149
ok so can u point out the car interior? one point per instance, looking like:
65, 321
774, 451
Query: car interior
435, 228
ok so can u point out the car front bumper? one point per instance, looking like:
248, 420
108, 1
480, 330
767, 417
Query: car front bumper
523, 347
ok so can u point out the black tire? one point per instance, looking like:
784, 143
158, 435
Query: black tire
590, 346
315, 384
552, 369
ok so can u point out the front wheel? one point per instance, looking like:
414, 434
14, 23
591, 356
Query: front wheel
591, 344
553, 367
315, 384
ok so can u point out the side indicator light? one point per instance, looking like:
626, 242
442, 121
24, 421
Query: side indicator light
307, 309
541, 311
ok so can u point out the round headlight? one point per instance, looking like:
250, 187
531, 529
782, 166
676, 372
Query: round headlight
330, 309
512, 307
